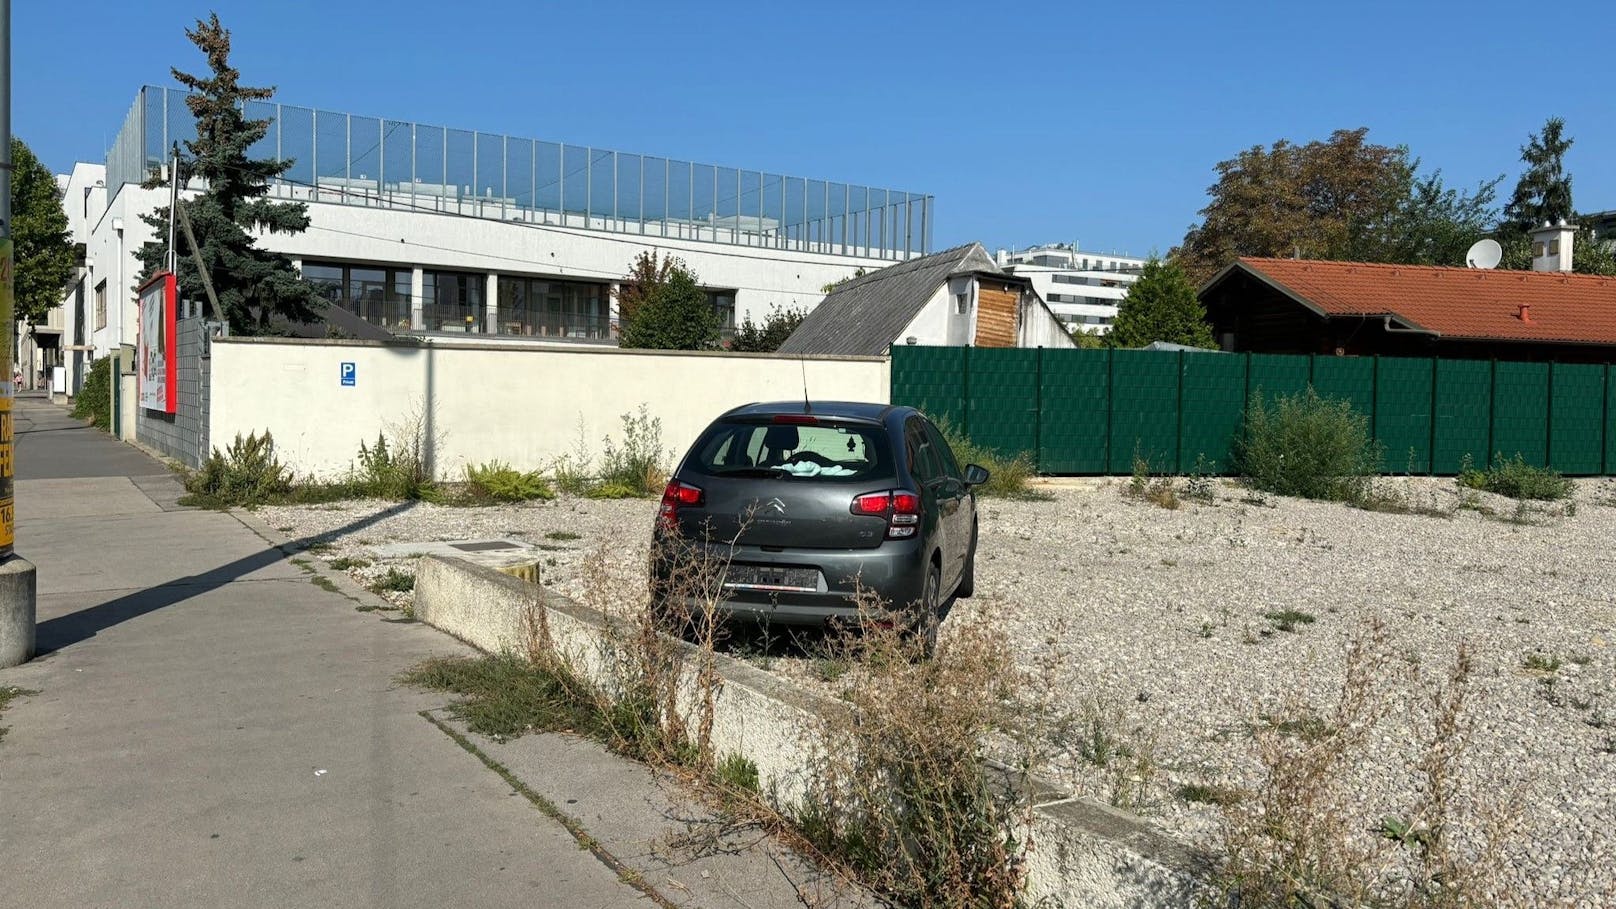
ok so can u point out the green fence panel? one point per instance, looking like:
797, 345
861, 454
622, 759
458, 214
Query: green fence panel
1144, 409
1274, 375
1214, 403
1402, 414
1002, 410
1463, 412
1346, 378
1521, 411
1576, 418
1076, 397
931, 379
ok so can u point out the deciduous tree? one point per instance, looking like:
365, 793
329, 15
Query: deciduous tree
42, 255
670, 311
1343, 198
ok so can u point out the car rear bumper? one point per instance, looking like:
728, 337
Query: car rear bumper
890, 577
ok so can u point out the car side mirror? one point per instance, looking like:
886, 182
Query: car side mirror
975, 475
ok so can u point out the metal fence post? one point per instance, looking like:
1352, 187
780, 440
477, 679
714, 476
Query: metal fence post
965, 391
1038, 410
1178, 445
1110, 402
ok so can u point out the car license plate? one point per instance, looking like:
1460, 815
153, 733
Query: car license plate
766, 577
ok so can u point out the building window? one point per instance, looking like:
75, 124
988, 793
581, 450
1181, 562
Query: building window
723, 303
541, 307
962, 303
453, 301
101, 305
377, 294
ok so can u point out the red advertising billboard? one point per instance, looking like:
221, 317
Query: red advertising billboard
156, 364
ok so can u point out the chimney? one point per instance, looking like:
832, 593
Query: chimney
1551, 246
1526, 313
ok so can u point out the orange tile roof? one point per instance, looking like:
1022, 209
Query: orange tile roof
1455, 302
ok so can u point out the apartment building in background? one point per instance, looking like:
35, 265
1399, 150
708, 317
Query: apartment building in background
1082, 288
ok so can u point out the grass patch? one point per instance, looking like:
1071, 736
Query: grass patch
1159, 491
1209, 794
506, 696
613, 491
563, 536
324, 583
1515, 478
9, 693
347, 563
1008, 477
737, 773
394, 581
1289, 619
1538, 661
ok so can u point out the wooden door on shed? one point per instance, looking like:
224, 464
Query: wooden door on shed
996, 307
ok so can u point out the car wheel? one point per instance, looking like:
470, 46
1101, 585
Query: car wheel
931, 618
967, 584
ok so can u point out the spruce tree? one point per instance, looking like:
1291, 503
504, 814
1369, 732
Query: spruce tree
258, 290
1161, 306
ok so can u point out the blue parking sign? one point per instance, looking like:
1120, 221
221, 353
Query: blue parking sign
350, 374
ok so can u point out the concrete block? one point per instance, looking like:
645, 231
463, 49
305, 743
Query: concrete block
1084, 854
16, 611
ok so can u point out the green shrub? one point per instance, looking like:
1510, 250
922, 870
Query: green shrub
246, 473
1308, 446
94, 402
395, 471
1008, 478
496, 481
639, 463
613, 491
1515, 478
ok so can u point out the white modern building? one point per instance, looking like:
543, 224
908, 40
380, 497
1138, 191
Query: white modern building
1083, 288
424, 229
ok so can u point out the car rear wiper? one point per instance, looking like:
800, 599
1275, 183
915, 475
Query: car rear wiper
750, 472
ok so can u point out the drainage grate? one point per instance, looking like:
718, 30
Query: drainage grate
485, 546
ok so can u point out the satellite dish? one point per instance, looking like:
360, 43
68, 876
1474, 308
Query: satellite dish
1484, 254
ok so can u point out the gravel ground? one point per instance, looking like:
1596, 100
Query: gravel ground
1160, 619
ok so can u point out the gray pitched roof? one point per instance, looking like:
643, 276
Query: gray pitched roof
863, 316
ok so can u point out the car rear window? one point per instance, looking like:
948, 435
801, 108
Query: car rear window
826, 451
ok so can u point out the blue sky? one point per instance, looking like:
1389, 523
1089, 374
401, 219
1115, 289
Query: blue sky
1029, 122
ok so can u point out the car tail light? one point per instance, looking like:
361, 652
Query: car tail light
796, 419
900, 507
677, 495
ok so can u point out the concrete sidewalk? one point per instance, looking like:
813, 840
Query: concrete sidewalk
211, 729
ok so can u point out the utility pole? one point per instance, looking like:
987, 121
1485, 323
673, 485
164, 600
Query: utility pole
16, 574
173, 207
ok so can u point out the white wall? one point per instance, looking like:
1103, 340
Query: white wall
522, 405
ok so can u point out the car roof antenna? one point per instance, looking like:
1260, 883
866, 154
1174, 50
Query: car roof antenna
807, 407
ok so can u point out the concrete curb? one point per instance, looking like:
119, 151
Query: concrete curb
1084, 854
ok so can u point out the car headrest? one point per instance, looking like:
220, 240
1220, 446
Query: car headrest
781, 438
